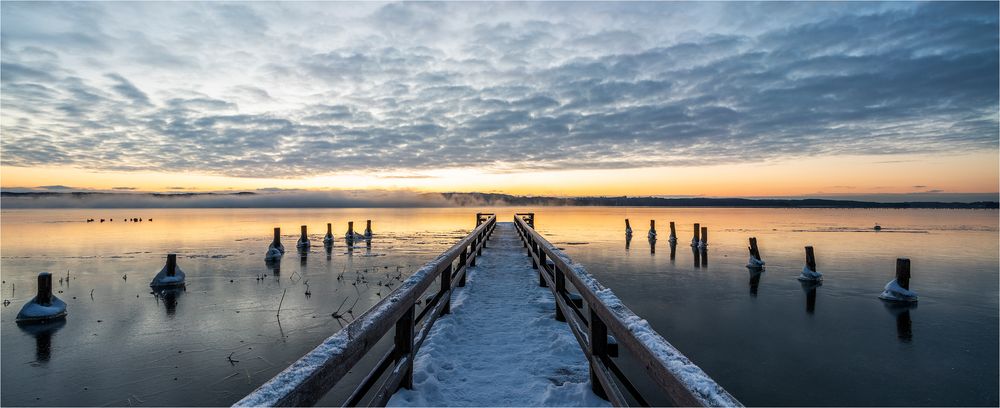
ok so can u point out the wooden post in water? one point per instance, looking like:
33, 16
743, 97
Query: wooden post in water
277, 237
304, 235
754, 252
673, 231
704, 236
171, 265
368, 228
697, 229
404, 344
329, 228
903, 272
810, 259
628, 227
44, 295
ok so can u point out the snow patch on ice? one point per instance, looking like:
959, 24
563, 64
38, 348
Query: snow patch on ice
894, 292
33, 311
755, 263
809, 275
162, 279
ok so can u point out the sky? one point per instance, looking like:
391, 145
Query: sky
686, 99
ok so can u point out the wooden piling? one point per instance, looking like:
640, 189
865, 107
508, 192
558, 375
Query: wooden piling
304, 232
277, 237
368, 228
628, 228
329, 228
171, 264
697, 229
810, 259
350, 229
44, 295
704, 235
673, 231
652, 226
754, 251
903, 272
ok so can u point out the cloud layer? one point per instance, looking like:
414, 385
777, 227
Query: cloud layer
290, 90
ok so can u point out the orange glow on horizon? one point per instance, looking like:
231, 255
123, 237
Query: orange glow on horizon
969, 172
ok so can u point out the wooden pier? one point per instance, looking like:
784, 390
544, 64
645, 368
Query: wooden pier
603, 327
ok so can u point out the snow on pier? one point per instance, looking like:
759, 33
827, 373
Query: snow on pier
500, 346
519, 329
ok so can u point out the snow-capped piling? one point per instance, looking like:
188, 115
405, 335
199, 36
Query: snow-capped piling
328, 239
755, 261
696, 240
44, 306
303, 242
704, 238
368, 230
628, 229
652, 230
673, 233
275, 250
170, 275
809, 272
898, 290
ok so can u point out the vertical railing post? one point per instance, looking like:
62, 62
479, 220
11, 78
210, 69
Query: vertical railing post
472, 253
560, 292
404, 344
534, 250
598, 349
446, 289
542, 269
463, 260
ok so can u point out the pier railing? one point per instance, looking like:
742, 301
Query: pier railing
604, 323
308, 379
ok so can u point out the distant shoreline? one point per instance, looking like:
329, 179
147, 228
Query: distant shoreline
42, 200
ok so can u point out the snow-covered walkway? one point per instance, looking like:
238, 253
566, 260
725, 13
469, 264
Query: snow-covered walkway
501, 345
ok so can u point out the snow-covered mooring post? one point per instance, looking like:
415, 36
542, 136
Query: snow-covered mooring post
308, 379
602, 324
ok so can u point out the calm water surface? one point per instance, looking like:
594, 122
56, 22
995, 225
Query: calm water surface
768, 339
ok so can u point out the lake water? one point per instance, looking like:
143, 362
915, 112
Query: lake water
766, 338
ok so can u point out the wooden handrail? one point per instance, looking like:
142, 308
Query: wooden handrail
607, 319
308, 379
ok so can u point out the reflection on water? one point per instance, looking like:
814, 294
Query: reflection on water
700, 307
809, 287
754, 280
43, 332
169, 296
904, 326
